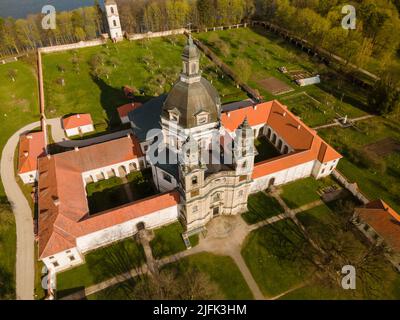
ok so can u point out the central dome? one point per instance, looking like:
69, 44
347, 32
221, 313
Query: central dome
192, 95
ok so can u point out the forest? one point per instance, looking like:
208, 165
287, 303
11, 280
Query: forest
319, 21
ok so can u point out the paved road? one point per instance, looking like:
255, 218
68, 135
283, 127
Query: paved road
25, 269
59, 137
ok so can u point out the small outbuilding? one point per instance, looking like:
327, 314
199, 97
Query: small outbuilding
125, 109
78, 124
31, 147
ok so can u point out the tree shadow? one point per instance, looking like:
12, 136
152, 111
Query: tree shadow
111, 98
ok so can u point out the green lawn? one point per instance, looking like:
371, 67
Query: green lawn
19, 107
324, 224
266, 52
273, 260
266, 150
168, 240
100, 265
375, 184
138, 64
301, 192
221, 270
111, 193
261, 207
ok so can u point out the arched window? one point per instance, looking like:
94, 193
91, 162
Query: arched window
112, 10
115, 23
194, 181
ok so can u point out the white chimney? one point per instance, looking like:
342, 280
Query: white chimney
76, 148
284, 114
29, 137
298, 127
56, 202
228, 114
78, 115
49, 156
26, 154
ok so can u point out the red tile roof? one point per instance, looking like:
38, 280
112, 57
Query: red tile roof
77, 120
63, 208
31, 146
384, 220
307, 144
126, 108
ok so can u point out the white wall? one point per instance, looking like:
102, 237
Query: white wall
75, 131
159, 181
282, 177
121, 231
63, 260
29, 177
115, 168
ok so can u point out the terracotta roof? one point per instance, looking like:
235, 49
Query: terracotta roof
307, 144
77, 120
384, 220
126, 108
31, 146
63, 206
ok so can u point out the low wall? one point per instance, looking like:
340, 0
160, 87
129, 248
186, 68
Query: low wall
148, 35
352, 187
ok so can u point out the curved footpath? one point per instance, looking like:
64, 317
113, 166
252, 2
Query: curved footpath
25, 268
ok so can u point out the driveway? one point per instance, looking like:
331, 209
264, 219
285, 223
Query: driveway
25, 269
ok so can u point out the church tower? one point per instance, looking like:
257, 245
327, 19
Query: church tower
243, 149
114, 24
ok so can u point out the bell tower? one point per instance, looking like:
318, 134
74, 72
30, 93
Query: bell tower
190, 62
244, 149
114, 24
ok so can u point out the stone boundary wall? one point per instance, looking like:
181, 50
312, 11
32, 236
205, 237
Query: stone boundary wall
71, 46
148, 35
352, 187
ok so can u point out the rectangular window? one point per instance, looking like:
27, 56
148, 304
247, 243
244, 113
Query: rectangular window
167, 177
194, 193
71, 258
115, 23
55, 264
242, 178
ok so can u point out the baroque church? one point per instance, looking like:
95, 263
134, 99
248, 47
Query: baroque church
202, 159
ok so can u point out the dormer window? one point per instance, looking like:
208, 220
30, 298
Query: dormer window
174, 115
202, 118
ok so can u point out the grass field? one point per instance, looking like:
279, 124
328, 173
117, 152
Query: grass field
261, 207
168, 240
277, 269
19, 106
273, 265
101, 264
383, 183
266, 150
265, 53
301, 192
138, 64
221, 271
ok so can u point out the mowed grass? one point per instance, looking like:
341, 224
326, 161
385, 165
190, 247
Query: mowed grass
168, 240
151, 66
261, 207
265, 53
304, 191
273, 260
374, 184
327, 224
19, 107
221, 270
101, 264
